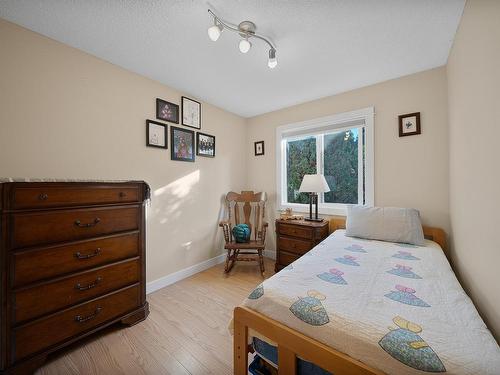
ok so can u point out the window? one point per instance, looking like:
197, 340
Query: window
340, 147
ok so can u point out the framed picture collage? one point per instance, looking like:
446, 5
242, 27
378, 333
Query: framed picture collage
184, 143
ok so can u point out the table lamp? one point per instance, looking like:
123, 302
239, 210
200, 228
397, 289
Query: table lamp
313, 184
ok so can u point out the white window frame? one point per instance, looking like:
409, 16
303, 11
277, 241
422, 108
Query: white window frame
336, 123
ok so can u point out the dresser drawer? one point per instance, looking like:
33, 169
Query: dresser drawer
30, 229
33, 265
296, 231
294, 245
55, 329
73, 289
57, 196
285, 258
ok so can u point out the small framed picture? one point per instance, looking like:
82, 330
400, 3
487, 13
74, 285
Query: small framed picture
259, 148
191, 113
409, 124
167, 111
205, 145
182, 144
156, 134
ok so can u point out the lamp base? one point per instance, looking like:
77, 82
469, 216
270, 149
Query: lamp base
311, 219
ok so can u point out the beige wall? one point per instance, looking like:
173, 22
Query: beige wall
409, 171
66, 114
474, 117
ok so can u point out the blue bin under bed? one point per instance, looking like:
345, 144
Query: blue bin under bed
269, 353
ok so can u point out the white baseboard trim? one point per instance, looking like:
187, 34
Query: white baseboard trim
162, 282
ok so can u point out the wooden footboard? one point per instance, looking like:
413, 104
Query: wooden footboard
291, 344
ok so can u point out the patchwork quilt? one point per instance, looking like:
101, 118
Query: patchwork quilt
398, 308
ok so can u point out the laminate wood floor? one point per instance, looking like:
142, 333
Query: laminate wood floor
185, 333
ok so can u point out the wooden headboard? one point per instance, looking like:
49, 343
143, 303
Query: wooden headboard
434, 234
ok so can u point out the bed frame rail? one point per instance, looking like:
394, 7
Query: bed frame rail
291, 344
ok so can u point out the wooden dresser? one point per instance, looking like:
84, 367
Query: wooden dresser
72, 261
294, 238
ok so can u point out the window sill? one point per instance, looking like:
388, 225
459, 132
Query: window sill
334, 210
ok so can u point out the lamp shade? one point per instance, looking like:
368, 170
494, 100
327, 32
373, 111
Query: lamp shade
314, 183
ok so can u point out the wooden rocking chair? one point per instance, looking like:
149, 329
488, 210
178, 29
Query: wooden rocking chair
240, 207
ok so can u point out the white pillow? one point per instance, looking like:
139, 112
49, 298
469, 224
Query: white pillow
385, 223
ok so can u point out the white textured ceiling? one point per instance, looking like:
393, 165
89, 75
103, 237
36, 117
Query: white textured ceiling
323, 47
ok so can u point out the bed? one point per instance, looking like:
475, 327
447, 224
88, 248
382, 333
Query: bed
353, 306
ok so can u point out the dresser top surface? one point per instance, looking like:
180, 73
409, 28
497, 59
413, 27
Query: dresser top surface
313, 224
4, 180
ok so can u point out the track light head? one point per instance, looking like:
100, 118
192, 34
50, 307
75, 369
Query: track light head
245, 45
272, 62
215, 31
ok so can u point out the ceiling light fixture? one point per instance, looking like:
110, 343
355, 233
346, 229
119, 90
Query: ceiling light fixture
246, 29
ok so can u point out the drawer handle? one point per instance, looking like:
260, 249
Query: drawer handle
87, 256
82, 319
43, 197
96, 221
122, 194
89, 286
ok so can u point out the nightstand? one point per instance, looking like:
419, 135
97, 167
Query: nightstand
294, 238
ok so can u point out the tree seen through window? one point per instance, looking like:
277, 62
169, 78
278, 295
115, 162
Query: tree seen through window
339, 165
